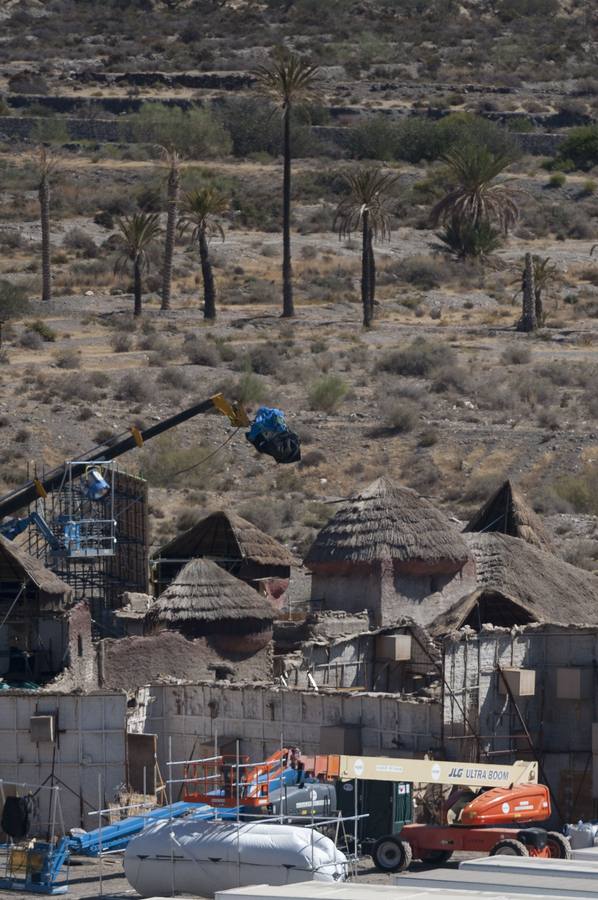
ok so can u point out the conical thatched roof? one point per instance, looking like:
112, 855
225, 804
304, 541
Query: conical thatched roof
17, 564
508, 513
388, 522
203, 592
227, 536
518, 583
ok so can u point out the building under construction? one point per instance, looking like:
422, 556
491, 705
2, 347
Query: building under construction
420, 636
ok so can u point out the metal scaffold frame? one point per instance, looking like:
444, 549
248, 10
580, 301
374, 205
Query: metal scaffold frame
114, 559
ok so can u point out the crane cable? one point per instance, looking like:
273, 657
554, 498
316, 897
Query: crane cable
205, 458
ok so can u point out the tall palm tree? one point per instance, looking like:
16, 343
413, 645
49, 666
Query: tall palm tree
45, 166
173, 183
477, 202
137, 233
366, 208
288, 80
200, 209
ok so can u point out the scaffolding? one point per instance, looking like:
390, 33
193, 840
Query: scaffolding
99, 547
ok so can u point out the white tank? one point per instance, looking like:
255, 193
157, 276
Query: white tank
187, 857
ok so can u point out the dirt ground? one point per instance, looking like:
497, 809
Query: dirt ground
85, 883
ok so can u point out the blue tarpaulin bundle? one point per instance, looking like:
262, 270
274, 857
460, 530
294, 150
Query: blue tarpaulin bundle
270, 434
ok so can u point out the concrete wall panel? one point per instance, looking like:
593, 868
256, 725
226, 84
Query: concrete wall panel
91, 739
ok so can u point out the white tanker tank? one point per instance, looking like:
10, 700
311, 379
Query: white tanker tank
201, 858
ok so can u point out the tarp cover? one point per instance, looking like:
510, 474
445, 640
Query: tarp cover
270, 434
204, 857
16, 817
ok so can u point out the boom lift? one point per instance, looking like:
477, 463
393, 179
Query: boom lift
491, 822
296, 786
309, 789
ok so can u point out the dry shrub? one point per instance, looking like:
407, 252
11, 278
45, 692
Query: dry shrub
327, 392
451, 379
134, 388
580, 490
419, 359
312, 458
200, 352
400, 416
174, 377
516, 355
68, 359
121, 343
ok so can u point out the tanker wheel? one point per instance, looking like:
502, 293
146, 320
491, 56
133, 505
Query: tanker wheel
391, 854
509, 848
559, 846
437, 857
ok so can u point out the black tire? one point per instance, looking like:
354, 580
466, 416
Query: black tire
559, 845
509, 848
391, 854
437, 857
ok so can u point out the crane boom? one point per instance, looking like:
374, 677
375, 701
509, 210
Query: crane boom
384, 768
31, 490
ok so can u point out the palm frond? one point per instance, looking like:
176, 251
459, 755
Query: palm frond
137, 232
477, 198
368, 192
199, 209
288, 79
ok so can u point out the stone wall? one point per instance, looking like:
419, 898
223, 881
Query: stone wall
114, 131
422, 597
131, 662
190, 716
351, 592
389, 594
561, 728
28, 127
541, 144
355, 661
80, 655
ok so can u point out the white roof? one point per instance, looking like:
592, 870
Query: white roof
406, 889
529, 866
542, 882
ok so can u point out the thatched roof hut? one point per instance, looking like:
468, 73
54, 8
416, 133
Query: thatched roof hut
18, 567
508, 513
205, 600
518, 584
229, 540
387, 522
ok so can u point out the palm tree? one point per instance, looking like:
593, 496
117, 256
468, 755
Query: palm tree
366, 207
137, 233
172, 160
200, 207
288, 80
528, 321
544, 272
477, 203
46, 165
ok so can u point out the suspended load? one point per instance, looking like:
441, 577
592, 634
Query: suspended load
270, 434
201, 858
